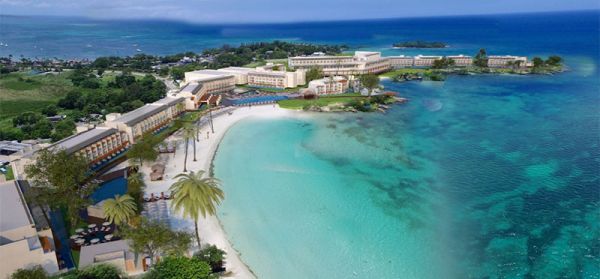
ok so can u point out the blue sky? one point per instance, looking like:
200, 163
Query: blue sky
281, 10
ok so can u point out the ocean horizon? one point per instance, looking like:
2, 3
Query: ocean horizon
80, 37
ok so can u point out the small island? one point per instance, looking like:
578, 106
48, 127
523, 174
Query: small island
420, 44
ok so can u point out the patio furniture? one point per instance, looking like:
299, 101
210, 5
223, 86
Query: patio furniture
80, 241
75, 236
108, 237
80, 230
91, 226
95, 240
106, 224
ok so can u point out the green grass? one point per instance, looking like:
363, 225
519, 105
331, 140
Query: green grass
404, 71
321, 101
10, 175
20, 93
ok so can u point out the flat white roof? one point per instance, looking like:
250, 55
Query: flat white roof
236, 70
13, 208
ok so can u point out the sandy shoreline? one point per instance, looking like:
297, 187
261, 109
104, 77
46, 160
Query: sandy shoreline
210, 229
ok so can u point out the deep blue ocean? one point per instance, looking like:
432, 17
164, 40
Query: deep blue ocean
491, 176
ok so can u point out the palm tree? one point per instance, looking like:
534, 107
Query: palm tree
120, 209
196, 195
189, 132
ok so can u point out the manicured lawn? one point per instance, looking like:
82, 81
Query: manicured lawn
322, 101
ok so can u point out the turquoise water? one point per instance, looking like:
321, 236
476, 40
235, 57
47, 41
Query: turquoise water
475, 177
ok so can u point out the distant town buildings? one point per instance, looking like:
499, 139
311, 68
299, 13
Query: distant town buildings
329, 85
24, 243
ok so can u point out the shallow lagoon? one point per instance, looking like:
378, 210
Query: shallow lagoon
476, 176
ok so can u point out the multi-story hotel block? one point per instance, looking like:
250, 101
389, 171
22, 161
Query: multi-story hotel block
97, 145
502, 61
211, 81
149, 118
24, 242
240, 73
266, 76
461, 60
401, 61
425, 61
363, 62
329, 85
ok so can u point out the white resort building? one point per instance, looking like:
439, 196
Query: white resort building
329, 85
461, 60
363, 62
502, 61
401, 61
148, 118
23, 243
276, 76
425, 61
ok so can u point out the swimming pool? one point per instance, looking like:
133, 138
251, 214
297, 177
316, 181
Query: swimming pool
258, 99
109, 189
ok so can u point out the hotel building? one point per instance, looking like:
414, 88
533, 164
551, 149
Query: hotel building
401, 61
461, 60
425, 61
240, 73
267, 77
502, 61
211, 81
329, 85
24, 241
363, 62
97, 145
149, 118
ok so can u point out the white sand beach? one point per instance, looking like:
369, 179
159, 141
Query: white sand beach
210, 229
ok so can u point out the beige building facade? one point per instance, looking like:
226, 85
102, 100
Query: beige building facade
503, 61
329, 85
363, 62
149, 118
461, 60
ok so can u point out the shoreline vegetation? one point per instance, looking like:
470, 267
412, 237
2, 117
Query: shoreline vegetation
420, 44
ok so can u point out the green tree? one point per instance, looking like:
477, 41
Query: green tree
50, 110
196, 195
120, 209
481, 59
537, 62
554, 61
369, 81
63, 129
443, 63
143, 150
100, 271
213, 256
314, 73
180, 268
61, 180
36, 272
154, 238
190, 133
177, 73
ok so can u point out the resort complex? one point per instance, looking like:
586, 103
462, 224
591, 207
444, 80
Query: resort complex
176, 122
